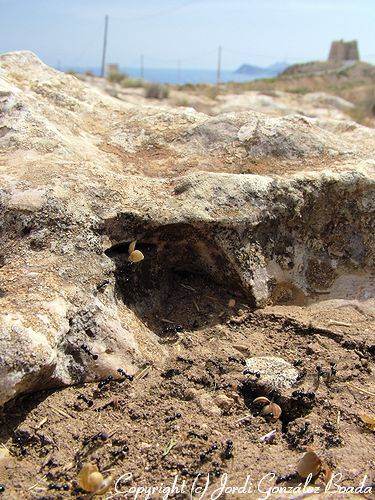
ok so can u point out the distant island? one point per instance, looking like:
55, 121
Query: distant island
273, 70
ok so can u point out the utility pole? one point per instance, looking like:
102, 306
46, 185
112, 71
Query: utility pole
104, 46
142, 67
179, 71
218, 75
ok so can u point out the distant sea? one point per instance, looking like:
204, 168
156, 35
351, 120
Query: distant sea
172, 75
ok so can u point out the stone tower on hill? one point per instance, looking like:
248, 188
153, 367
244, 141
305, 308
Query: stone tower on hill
344, 51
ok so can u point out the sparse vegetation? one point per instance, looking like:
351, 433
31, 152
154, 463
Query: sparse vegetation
364, 111
184, 102
212, 92
132, 83
116, 77
343, 72
186, 86
156, 91
299, 90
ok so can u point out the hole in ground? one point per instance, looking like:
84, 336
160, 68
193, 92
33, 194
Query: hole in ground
294, 403
183, 283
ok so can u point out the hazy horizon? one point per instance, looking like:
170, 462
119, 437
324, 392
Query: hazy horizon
69, 33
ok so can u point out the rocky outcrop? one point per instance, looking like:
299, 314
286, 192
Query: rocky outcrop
272, 102
277, 103
84, 174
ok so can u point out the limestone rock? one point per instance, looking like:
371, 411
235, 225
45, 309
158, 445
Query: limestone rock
277, 104
83, 174
275, 373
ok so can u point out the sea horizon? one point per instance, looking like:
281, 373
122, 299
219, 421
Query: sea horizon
175, 76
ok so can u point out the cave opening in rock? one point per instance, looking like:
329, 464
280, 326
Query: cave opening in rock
183, 283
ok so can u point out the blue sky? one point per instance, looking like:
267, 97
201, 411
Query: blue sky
69, 32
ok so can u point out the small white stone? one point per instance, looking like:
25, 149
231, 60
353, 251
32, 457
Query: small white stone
274, 371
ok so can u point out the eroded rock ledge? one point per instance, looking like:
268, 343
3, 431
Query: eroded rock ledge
83, 175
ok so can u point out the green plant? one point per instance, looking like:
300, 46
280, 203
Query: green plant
115, 77
299, 90
343, 72
132, 83
212, 92
186, 86
156, 91
183, 101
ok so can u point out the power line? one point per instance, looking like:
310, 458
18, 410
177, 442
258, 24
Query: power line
162, 12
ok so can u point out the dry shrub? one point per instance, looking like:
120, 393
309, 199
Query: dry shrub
156, 91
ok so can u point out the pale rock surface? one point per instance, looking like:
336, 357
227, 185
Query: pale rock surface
278, 103
273, 103
82, 174
276, 373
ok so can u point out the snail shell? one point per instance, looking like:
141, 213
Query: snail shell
105, 485
273, 410
261, 400
94, 481
310, 463
132, 246
136, 256
83, 477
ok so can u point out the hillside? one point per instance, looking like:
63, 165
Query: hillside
351, 81
354, 70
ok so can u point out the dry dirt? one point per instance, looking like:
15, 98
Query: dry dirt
176, 420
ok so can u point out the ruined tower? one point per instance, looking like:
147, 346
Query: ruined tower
343, 51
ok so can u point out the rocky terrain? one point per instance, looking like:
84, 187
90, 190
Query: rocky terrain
351, 81
257, 235
272, 102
